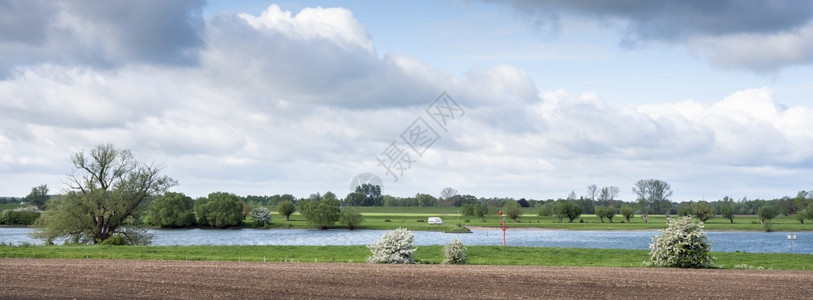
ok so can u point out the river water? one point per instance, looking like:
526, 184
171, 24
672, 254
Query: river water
725, 241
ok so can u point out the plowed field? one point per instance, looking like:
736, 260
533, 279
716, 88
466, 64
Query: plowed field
116, 279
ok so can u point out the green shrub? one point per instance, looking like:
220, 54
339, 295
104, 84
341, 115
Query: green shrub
455, 253
20, 216
683, 244
351, 217
115, 240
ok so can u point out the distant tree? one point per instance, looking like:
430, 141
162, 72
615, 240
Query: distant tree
372, 194
766, 213
480, 210
467, 210
685, 209
608, 194
287, 197
546, 209
38, 196
559, 210
171, 210
322, 213
801, 216
703, 211
523, 203
571, 210
390, 201
351, 217
653, 196
354, 199
447, 193
727, 208
802, 199
600, 212
808, 213
426, 200
512, 210
222, 210
592, 192
286, 208
628, 212
261, 216
108, 188
609, 213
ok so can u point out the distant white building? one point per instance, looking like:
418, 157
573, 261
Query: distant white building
435, 221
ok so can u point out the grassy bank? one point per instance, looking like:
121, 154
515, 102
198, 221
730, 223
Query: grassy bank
482, 255
414, 218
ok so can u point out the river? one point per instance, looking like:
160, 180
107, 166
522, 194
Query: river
725, 241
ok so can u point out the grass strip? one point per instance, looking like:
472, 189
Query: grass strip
480, 255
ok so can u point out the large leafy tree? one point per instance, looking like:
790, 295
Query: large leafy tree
108, 187
322, 212
220, 210
171, 210
38, 196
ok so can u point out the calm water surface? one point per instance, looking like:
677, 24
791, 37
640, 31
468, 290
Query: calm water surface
725, 241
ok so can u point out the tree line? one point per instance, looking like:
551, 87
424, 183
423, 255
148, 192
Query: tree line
112, 195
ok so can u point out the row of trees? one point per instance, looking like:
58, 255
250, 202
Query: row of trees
110, 190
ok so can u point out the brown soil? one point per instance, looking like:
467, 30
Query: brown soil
115, 279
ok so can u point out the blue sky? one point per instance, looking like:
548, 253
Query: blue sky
260, 97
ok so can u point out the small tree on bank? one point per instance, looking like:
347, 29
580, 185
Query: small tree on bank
683, 244
628, 212
512, 210
394, 247
351, 217
286, 208
600, 212
766, 213
703, 211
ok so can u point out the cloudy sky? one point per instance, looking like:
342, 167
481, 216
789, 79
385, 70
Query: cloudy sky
542, 97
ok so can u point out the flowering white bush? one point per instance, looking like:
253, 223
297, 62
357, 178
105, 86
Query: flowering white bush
454, 253
394, 247
261, 215
683, 244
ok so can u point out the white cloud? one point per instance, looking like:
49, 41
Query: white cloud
301, 103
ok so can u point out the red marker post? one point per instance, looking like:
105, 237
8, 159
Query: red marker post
502, 224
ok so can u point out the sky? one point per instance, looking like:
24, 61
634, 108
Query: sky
522, 99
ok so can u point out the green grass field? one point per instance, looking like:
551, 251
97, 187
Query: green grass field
480, 255
414, 218
6, 206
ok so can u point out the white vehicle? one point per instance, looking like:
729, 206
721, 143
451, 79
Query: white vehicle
435, 221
